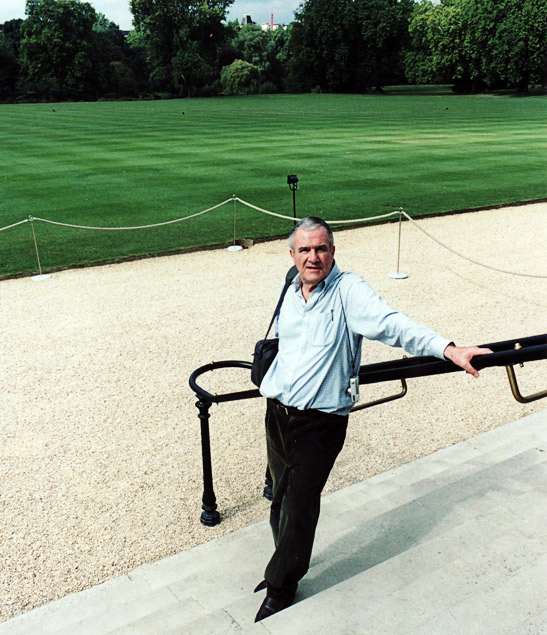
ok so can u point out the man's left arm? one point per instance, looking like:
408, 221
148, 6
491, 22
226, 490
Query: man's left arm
462, 356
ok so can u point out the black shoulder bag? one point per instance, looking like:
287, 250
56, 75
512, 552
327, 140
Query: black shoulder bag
266, 350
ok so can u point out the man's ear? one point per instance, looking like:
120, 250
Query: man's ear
292, 255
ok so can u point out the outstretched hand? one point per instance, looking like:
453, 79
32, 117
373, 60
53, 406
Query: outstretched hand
462, 356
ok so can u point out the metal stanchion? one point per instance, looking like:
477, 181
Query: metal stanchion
40, 276
234, 247
398, 275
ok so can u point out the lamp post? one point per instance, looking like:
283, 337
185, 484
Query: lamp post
292, 182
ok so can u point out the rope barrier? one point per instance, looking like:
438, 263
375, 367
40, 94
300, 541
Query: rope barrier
112, 229
21, 222
330, 222
475, 262
400, 212
403, 213
265, 211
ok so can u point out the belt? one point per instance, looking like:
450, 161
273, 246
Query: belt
290, 410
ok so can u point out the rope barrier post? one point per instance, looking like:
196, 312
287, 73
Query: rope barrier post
235, 247
209, 516
40, 276
399, 275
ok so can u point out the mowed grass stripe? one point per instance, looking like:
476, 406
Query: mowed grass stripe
138, 163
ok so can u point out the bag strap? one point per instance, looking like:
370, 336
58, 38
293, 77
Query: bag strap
353, 357
291, 275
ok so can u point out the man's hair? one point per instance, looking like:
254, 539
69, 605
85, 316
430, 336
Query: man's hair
308, 223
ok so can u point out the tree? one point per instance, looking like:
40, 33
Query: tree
266, 50
183, 39
10, 39
138, 61
519, 56
322, 41
479, 44
384, 35
240, 78
58, 48
351, 45
117, 74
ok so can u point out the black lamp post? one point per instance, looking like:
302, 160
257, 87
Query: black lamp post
292, 182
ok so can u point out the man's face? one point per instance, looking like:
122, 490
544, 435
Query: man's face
312, 255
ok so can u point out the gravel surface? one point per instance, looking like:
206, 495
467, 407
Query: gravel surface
100, 453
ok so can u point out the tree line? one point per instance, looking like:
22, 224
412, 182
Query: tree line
65, 50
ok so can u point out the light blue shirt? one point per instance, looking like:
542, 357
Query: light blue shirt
320, 341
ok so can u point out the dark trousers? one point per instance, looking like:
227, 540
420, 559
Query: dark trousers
302, 448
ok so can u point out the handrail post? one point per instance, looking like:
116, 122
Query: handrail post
209, 516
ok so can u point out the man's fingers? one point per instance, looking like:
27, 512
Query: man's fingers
481, 351
471, 371
475, 351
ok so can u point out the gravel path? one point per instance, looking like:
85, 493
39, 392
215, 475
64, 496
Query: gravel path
100, 457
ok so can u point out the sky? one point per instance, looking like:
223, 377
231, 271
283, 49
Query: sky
117, 11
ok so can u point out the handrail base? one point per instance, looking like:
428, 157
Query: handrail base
516, 391
209, 517
377, 402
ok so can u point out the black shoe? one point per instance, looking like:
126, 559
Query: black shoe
268, 490
261, 586
269, 607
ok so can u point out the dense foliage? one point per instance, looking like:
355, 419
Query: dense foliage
478, 44
183, 39
349, 45
64, 49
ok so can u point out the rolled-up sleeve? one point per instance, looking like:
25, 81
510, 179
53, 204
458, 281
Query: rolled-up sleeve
372, 317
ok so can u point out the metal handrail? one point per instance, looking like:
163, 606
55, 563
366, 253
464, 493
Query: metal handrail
232, 396
507, 353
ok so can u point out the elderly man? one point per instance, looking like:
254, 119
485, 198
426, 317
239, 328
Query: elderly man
322, 320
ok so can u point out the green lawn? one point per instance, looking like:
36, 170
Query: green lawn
137, 163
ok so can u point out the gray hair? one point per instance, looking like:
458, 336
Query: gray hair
308, 223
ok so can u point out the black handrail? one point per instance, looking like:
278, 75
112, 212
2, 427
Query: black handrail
232, 396
504, 354
507, 353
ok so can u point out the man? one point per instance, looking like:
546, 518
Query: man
322, 320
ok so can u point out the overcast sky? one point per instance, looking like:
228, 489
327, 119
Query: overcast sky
118, 12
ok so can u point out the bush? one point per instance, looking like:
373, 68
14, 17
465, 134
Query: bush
239, 78
267, 88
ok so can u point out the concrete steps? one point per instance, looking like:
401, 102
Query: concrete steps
452, 543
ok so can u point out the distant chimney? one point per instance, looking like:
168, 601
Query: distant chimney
272, 23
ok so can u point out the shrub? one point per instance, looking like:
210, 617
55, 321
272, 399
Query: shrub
239, 78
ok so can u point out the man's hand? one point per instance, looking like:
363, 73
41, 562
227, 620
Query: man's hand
462, 356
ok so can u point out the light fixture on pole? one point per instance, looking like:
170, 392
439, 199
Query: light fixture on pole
292, 182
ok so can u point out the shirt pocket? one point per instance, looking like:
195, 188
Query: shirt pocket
321, 329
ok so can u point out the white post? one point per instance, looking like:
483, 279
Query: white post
41, 276
399, 275
235, 247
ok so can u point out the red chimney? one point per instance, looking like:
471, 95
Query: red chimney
272, 23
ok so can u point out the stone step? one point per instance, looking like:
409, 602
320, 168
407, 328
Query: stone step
429, 584
410, 549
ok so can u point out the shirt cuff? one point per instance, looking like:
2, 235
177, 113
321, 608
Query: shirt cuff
438, 346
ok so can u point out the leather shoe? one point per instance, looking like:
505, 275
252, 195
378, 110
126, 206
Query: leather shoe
269, 607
